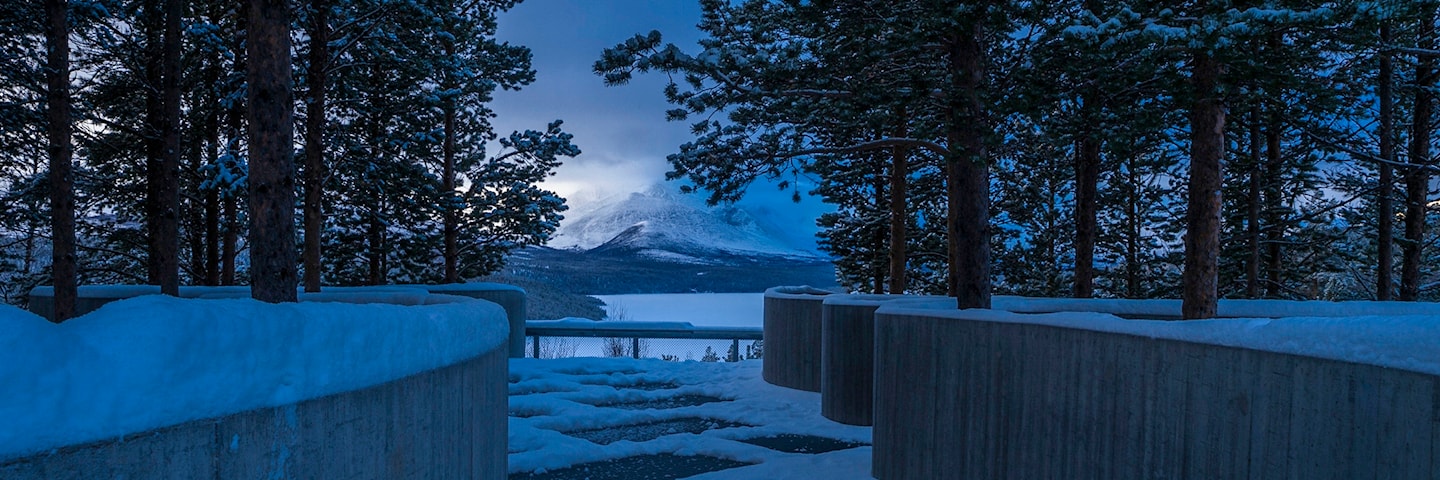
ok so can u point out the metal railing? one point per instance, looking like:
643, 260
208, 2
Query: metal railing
665, 340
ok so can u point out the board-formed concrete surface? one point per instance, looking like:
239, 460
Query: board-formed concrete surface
958, 398
847, 355
792, 337
448, 423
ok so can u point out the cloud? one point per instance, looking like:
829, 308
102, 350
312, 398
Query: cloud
621, 130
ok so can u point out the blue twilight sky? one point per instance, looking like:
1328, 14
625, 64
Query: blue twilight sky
621, 130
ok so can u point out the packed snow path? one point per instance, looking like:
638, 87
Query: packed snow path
619, 418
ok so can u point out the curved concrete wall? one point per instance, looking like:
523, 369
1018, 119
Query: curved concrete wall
847, 356
447, 423
509, 297
959, 398
792, 337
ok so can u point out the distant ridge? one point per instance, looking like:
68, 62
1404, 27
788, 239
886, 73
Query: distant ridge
660, 241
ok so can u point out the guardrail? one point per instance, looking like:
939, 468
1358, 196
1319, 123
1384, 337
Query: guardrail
633, 333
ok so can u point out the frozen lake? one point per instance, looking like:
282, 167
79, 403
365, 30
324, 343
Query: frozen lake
700, 309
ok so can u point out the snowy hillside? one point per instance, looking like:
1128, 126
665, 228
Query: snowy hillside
662, 224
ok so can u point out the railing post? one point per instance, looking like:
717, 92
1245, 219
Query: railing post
734, 355
536, 349
635, 347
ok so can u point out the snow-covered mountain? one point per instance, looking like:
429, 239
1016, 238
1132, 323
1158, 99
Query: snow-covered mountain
662, 224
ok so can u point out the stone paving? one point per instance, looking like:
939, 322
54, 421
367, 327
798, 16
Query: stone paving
648, 419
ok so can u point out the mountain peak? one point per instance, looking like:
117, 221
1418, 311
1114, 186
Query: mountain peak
660, 190
658, 222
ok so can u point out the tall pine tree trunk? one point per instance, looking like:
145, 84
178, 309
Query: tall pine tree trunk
1087, 179
28, 262
236, 113
162, 151
212, 237
879, 249
1132, 228
193, 201
315, 141
899, 172
231, 245
1274, 208
1252, 216
1417, 178
272, 168
1385, 194
164, 219
211, 226
1200, 279
62, 197
153, 138
967, 173
195, 236
449, 214
375, 238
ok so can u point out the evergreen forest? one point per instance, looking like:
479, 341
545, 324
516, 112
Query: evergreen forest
146, 123
1088, 148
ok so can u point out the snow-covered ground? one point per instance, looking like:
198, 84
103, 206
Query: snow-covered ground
153, 361
605, 401
699, 309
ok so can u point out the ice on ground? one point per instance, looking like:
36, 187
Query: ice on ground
148, 362
561, 396
700, 309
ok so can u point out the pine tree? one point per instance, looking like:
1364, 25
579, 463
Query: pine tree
62, 184
504, 208
24, 208
317, 73
272, 177
796, 87
1033, 183
1417, 176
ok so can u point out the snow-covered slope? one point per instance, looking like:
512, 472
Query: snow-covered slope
662, 224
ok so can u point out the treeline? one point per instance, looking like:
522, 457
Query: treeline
1136, 149
390, 180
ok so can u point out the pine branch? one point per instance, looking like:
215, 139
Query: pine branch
1416, 51
884, 143
1369, 157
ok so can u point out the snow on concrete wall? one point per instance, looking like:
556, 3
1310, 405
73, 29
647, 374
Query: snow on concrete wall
150, 362
446, 423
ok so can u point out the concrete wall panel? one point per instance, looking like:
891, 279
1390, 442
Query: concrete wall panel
792, 337
959, 398
447, 423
